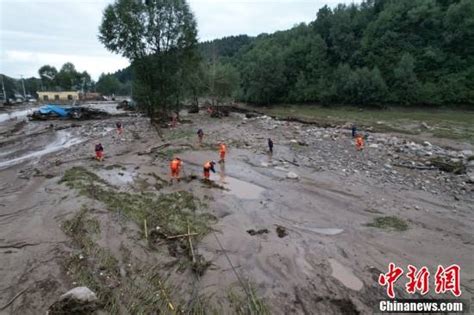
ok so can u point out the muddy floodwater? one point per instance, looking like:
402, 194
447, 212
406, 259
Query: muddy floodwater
307, 230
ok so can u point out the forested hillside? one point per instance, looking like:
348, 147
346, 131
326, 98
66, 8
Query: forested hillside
377, 52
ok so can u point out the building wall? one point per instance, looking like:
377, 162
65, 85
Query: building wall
58, 96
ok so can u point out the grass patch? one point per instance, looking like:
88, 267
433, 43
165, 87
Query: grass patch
450, 124
113, 166
389, 223
94, 267
248, 302
176, 134
170, 212
98, 269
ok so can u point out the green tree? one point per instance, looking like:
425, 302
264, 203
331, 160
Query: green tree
263, 78
223, 82
108, 84
47, 75
406, 87
159, 38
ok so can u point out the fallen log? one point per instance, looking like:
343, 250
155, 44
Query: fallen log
153, 149
181, 236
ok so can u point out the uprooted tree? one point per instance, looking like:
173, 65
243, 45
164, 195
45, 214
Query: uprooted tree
159, 37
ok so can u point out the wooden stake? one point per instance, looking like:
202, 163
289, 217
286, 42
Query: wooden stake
146, 229
191, 244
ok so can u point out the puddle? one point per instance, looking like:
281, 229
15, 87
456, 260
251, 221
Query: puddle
324, 231
62, 140
116, 176
345, 275
241, 189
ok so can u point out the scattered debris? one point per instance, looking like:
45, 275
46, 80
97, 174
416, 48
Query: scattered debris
281, 231
56, 112
257, 232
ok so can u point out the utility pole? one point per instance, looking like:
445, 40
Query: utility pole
23, 84
4, 94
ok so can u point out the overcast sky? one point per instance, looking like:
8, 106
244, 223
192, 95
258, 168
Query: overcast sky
38, 32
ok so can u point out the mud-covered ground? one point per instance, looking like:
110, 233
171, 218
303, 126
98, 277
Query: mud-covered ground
307, 230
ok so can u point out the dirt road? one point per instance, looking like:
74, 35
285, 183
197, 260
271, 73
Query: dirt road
266, 241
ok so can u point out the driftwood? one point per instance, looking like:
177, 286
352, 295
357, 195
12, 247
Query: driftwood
153, 149
13, 299
180, 236
415, 167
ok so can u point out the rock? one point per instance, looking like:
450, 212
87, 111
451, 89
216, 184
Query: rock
80, 300
387, 166
470, 178
426, 144
467, 153
425, 125
292, 175
81, 294
264, 164
373, 145
428, 153
293, 141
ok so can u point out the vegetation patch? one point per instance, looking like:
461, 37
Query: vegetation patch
93, 267
247, 302
445, 165
114, 166
389, 223
167, 212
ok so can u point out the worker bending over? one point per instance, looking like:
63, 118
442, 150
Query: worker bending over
175, 167
209, 166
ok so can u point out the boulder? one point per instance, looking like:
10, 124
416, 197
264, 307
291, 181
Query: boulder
80, 300
292, 175
373, 145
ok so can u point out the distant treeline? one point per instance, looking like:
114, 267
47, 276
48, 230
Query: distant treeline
378, 52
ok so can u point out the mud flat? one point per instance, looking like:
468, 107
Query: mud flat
321, 238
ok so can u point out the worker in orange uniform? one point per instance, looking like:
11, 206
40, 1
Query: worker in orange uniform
222, 151
209, 166
175, 166
359, 141
99, 152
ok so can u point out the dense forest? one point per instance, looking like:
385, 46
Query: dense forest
376, 52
